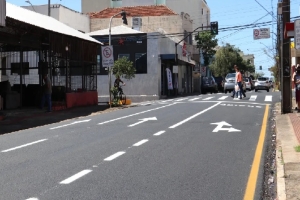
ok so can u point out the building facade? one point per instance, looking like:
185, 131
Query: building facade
197, 9
72, 18
175, 27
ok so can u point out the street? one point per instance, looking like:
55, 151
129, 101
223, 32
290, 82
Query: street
195, 147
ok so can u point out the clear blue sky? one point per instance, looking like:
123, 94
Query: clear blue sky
228, 13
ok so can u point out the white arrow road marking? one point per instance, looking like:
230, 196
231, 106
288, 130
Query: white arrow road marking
223, 123
195, 115
70, 124
223, 97
253, 97
76, 176
268, 98
140, 143
25, 145
208, 98
110, 158
142, 121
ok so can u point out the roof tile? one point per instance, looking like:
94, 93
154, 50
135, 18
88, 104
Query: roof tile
132, 11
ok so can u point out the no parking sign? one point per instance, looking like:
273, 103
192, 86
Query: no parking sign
107, 56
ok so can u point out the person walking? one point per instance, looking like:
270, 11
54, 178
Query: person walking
297, 87
293, 76
239, 81
47, 91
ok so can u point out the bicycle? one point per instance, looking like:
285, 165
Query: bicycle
121, 95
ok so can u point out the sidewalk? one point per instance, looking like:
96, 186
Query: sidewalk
287, 159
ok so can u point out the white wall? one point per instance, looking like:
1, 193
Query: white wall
94, 5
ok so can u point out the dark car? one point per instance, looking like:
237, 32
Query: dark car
220, 82
209, 85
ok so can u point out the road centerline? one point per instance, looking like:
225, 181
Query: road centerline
193, 116
140, 143
24, 145
110, 158
159, 133
76, 176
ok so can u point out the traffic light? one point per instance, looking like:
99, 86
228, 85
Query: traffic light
214, 28
260, 67
123, 14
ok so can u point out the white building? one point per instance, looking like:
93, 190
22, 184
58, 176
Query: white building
197, 9
72, 18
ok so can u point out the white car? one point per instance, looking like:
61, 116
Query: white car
247, 84
262, 83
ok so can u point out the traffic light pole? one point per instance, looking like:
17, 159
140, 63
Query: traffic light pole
109, 43
286, 95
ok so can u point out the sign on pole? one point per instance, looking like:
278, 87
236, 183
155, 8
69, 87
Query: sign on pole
107, 56
175, 69
261, 33
297, 33
203, 71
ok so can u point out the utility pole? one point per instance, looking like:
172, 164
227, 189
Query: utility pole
49, 12
286, 94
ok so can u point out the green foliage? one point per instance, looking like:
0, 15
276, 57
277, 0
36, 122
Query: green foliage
258, 74
124, 68
116, 99
207, 43
225, 58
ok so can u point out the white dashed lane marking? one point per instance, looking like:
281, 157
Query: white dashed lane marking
223, 97
208, 98
25, 145
110, 158
140, 143
76, 176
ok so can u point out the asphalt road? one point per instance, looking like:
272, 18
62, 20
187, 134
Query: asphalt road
197, 147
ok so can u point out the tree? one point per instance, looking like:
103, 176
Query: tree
258, 74
124, 68
225, 58
207, 43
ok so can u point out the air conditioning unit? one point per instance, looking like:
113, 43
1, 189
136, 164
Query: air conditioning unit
136, 23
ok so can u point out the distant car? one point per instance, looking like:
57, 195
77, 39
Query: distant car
229, 82
219, 80
247, 83
262, 83
209, 85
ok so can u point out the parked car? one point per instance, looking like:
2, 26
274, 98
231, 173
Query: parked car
209, 85
262, 83
251, 82
248, 85
219, 80
229, 82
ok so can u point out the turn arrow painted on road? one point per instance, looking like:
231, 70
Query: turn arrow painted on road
220, 127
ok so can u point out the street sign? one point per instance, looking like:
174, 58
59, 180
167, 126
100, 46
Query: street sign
297, 34
107, 56
203, 71
175, 69
220, 127
261, 33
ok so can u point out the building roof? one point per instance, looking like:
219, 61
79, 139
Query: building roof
43, 21
117, 30
132, 11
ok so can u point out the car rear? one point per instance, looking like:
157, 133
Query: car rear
262, 83
229, 82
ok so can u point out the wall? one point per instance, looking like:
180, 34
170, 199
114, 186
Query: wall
76, 20
94, 5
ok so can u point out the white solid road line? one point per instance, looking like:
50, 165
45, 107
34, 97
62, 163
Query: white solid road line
112, 120
77, 122
194, 99
110, 158
140, 143
76, 176
223, 97
195, 115
181, 99
268, 98
253, 97
208, 98
159, 133
25, 145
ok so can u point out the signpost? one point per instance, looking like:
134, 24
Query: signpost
2, 12
297, 33
107, 56
262, 33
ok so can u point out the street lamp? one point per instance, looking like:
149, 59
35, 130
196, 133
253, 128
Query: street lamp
123, 14
30, 4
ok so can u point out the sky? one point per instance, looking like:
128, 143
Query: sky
228, 13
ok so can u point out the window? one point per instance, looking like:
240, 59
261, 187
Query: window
185, 36
3, 66
202, 11
124, 55
141, 63
98, 63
